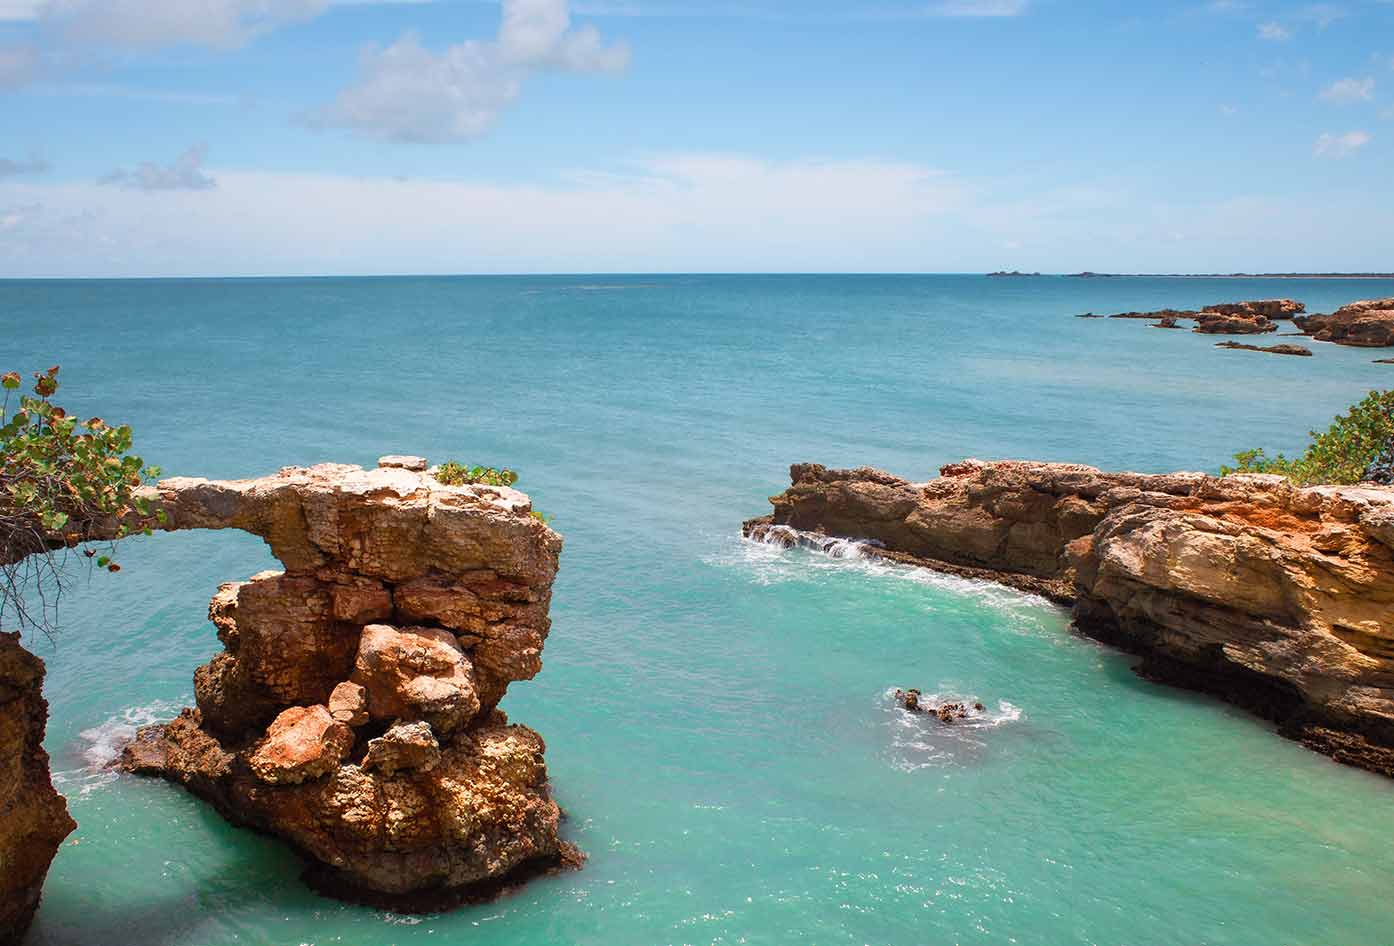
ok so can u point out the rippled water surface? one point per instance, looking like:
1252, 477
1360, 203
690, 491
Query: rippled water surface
718, 714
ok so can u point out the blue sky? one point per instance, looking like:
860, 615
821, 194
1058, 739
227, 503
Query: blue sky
242, 137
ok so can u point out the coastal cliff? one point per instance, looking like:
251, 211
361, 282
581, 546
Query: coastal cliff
34, 819
1275, 597
353, 708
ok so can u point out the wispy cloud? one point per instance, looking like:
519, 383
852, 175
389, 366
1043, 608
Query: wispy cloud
1322, 14
1340, 146
1274, 32
978, 8
1346, 91
184, 174
14, 168
409, 93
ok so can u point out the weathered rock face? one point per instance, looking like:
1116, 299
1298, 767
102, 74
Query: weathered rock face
352, 711
1259, 308
1219, 323
33, 817
1275, 597
1367, 324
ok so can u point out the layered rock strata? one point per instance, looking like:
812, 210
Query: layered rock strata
353, 709
1275, 597
1366, 324
34, 819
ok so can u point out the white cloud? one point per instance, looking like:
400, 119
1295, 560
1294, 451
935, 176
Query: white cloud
1274, 32
155, 23
1322, 14
673, 212
1340, 146
409, 93
184, 174
1344, 91
978, 7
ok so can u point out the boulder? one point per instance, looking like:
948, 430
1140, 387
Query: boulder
348, 703
303, 742
416, 673
1264, 308
1216, 323
404, 746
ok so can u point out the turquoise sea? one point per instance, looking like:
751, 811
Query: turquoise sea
717, 713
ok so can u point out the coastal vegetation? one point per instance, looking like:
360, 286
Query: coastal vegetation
1358, 446
451, 473
58, 475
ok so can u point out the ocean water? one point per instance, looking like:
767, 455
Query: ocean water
718, 713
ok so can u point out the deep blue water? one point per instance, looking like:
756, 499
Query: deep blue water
717, 713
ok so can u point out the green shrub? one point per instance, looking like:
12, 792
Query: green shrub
457, 474
58, 477
1345, 453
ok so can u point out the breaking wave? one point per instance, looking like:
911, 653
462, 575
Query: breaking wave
920, 740
100, 745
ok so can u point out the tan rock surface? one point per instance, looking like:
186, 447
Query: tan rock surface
1275, 597
1366, 324
34, 819
352, 710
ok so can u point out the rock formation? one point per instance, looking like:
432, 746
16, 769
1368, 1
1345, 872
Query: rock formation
1220, 323
1367, 324
1271, 349
33, 817
353, 708
1259, 308
1275, 597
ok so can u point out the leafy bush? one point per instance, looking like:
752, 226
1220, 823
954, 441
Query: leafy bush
59, 476
457, 474
1348, 452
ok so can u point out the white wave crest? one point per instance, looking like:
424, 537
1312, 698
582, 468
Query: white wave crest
100, 745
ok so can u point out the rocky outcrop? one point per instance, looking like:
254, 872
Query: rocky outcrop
33, 817
1271, 349
1219, 323
353, 708
1367, 324
1275, 597
1259, 308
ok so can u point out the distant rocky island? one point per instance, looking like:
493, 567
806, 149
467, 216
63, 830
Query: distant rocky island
1275, 597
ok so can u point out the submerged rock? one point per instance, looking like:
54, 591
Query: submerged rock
1276, 597
352, 711
34, 819
1271, 349
1366, 324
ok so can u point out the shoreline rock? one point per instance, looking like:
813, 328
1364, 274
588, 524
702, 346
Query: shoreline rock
1282, 349
1277, 598
34, 818
352, 711
1365, 324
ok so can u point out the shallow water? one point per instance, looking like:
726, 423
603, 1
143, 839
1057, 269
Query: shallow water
718, 713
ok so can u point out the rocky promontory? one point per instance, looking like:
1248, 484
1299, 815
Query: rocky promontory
1275, 597
353, 709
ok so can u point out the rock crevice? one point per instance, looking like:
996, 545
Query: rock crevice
1276, 597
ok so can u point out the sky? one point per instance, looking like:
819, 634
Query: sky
323, 137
